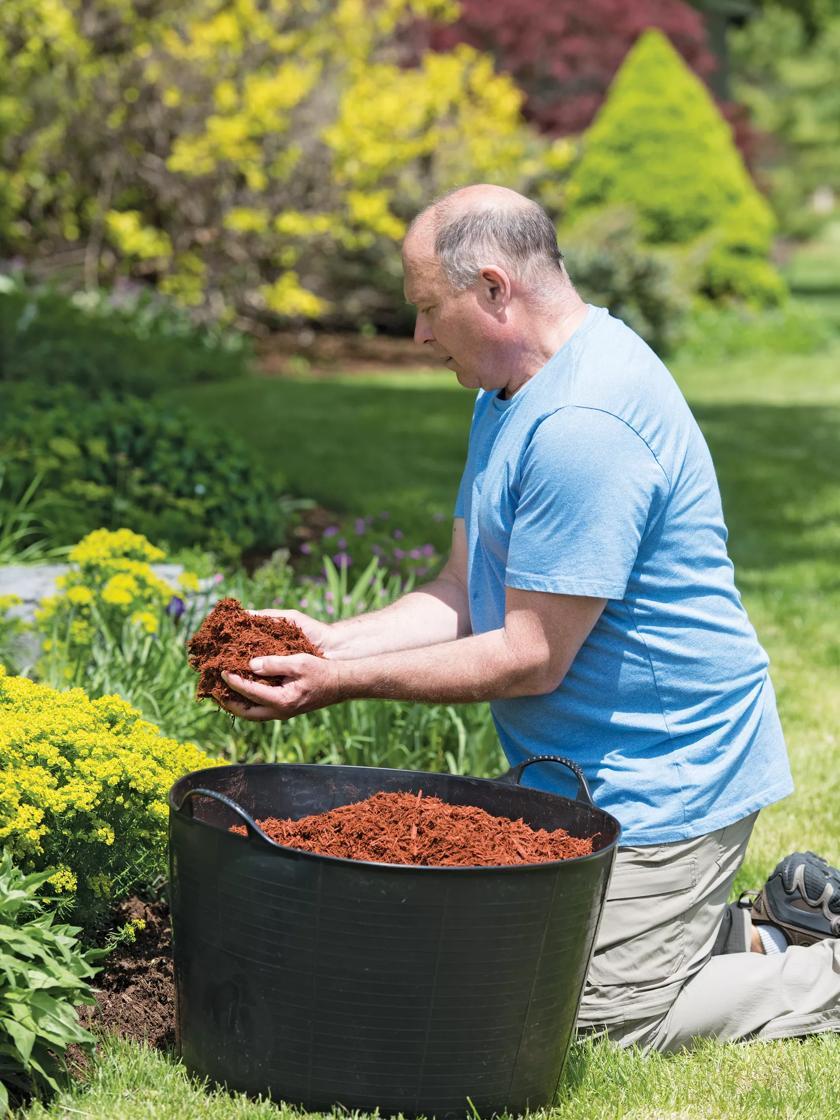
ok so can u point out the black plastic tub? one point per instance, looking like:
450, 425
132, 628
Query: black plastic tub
323, 981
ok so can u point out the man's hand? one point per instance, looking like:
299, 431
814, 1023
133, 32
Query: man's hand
317, 632
309, 683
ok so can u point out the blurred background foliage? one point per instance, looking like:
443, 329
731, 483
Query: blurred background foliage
257, 162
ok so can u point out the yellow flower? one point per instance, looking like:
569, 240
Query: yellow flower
147, 620
64, 881
120, 590
105, 544
188, 581
80, 596
77, 773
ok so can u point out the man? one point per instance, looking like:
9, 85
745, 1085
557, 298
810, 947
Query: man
589, 596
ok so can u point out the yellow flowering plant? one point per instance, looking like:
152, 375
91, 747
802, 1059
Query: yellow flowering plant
110, 589
281, 147
83, 787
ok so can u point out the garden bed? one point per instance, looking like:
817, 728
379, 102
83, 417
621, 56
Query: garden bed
135, 992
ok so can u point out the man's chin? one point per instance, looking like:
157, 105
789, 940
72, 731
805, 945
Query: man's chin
465, 378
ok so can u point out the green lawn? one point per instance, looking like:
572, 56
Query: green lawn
766, 1081
397, 443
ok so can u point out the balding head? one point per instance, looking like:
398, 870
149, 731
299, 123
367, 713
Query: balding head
483, 225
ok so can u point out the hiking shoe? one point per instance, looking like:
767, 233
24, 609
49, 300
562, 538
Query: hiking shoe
801, 898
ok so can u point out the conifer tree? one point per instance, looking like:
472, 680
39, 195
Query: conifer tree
660, 146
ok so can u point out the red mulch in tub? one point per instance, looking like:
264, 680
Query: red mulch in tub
227, 640
412, 829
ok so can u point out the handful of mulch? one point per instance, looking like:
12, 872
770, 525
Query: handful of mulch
404, 828
227, 640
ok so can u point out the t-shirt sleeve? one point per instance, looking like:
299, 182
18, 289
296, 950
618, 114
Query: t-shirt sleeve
589, 486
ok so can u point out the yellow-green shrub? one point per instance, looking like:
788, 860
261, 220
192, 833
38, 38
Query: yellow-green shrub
660, 146
111, 584
83, 788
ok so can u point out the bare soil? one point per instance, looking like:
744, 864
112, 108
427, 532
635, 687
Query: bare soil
322, 353
135, 992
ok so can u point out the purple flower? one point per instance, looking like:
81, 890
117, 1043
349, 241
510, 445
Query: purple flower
175, 607
342, 560
398, 534
330, 610
377, 550
342, 542
398, 554
415, 554
423, 571
330, 531
304, 603
361, 525
427, 550
306, 548
329, 596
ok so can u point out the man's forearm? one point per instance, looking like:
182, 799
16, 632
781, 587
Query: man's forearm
481, 667
435, 613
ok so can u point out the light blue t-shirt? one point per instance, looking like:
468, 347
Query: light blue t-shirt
594, 479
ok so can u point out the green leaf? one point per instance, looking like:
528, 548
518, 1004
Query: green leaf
23, 1037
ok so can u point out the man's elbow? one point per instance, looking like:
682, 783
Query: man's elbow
541, 677
544, 681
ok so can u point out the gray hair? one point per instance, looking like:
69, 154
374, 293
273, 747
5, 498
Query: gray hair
520, 238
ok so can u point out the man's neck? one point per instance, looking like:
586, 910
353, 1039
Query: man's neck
551, 330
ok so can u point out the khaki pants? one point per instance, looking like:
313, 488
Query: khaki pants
653, 980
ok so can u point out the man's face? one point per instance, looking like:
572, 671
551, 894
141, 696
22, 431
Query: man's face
451, 326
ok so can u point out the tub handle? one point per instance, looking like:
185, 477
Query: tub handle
514, 775
254, 830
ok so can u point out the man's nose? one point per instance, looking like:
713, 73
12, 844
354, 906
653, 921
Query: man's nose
422, 332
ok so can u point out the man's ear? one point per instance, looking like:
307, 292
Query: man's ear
495, 287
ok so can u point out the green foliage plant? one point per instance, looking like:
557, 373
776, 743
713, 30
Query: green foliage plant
712, 333
794, 97
83, 787
660, 146
611, 268
352, 542
21, 535
123, 343
44, 976
111, 462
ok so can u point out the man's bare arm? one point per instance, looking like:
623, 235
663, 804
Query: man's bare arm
528, 656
